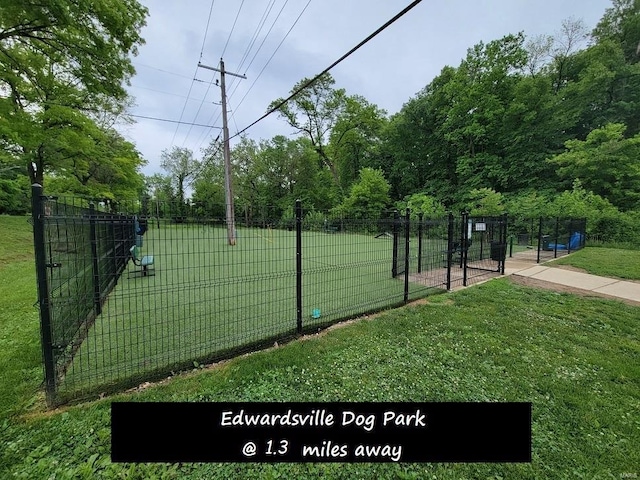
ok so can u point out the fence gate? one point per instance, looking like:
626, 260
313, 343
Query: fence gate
482, 246
469, 247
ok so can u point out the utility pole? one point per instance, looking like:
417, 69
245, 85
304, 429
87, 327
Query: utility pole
228, 184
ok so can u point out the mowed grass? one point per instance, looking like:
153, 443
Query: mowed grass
607, 262
20, 353
207, 298
576, 359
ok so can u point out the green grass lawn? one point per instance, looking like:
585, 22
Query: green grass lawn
607, 262
20, 354
576, 359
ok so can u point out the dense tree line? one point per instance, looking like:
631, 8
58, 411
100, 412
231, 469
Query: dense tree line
536, 126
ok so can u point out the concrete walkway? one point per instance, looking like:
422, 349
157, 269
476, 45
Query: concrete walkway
584, 281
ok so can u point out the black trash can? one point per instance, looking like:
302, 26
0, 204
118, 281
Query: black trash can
498, 250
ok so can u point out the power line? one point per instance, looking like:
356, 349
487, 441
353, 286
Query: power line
244, 58
251, 62
204, 40
363, 42
172, 121
263, 20
206, 30
271, 57
170, 93
267, 35
161, 70
232, 28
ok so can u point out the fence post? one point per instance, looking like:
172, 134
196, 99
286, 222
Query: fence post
539, 239
420, 217
407, 233
503, 242
449, 249
97, 301
555, 246
37, 216
299, 265
394, 261
570, 235
464, 247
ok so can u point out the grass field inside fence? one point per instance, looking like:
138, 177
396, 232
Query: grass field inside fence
208, 298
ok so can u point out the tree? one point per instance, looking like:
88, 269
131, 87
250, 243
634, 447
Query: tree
621, 23
368, 198
485, 202
421, 203
314, 111
182, 169
605, 163
354, 139
59, 60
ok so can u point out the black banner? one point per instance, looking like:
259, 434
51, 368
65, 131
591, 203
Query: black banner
321, 432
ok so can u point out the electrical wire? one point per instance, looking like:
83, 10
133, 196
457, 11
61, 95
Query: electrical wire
343, 57
272, 55
233, 82
169, 93
172, 121
161, 70
232, 28
211, 119
204, 40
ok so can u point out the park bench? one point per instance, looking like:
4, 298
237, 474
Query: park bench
145, 262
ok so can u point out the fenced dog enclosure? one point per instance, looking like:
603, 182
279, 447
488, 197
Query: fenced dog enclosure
542, 239
111, 319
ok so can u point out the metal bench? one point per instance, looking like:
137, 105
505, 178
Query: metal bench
145, 262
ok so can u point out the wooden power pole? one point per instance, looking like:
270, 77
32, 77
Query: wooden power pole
228, 184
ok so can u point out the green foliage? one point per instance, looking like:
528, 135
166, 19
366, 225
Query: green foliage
421, 203
368, 198
182, 168
606, 163
485, 202
314, 113
314, 221
62, 66
14, 195
529, 204
621, 23
354, 139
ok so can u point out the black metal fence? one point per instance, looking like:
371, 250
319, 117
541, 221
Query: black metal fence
109, 322
466, 248
541, 239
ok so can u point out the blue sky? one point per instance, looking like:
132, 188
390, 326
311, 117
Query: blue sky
387, 71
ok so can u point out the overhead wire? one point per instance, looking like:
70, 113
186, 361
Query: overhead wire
342, 58
232, 28
169, 93
172, 121
204, 40
137, 64
233, 82
272, 55
254, 37
253, 58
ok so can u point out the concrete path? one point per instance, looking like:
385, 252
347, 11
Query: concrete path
584, 281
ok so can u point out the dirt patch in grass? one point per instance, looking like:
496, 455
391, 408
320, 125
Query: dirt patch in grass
535, 283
